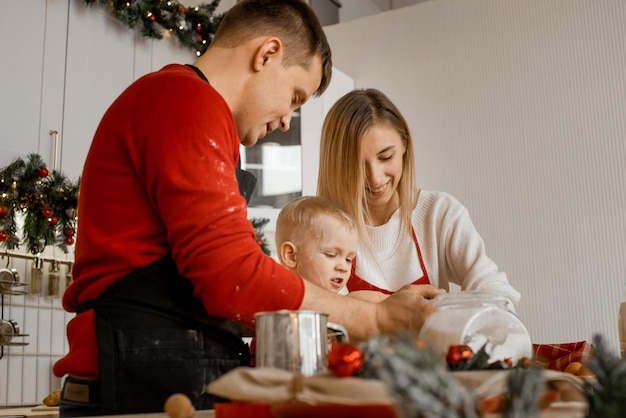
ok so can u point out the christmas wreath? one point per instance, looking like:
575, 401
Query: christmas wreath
193, 27
48, 201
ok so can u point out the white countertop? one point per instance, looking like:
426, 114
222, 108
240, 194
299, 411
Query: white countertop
31, 411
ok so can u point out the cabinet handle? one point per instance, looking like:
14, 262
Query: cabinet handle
54, 137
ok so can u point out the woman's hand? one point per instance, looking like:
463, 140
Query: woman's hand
425, 290
408, 308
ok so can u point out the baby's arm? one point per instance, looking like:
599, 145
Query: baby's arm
369, 295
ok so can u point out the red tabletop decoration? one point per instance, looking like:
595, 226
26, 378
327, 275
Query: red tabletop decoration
345, 359
459, 353
559, 356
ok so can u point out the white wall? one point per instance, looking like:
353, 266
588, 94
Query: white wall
518, 109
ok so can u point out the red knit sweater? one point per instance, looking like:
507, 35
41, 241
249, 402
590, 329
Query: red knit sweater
160, 179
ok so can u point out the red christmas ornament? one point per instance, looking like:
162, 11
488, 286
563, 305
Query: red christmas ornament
69, 240
46, 212
68, 232
54, 220
345, 359
152, 18
459, 353
42, 172
4, 211
3, 236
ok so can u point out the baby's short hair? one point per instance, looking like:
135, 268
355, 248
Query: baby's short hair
300, 215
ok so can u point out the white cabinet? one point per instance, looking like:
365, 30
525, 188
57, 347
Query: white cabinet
32, 41
103, 57
63, 64
99, 64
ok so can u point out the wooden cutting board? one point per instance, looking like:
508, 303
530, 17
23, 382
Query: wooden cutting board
29, 412
44, 408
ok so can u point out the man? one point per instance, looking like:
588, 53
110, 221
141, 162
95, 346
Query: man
167, 266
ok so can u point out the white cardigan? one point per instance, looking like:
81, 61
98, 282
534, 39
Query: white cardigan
452, 250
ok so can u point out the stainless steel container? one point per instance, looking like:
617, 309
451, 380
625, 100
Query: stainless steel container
8, 279
292, 340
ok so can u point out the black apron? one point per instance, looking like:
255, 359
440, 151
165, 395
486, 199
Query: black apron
155, 339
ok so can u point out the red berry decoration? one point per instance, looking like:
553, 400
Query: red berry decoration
54, 220
3, 236
459, 354
69, 240
68, 232
345, 359
4, 212
46, 212
42, 172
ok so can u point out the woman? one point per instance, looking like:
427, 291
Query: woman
407, 235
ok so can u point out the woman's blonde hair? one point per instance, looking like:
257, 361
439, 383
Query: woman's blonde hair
299, 218
342, 175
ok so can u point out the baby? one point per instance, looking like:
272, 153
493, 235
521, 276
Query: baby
317, 239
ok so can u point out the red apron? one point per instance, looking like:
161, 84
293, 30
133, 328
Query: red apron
357, 283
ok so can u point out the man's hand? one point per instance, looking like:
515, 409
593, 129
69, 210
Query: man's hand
406, 309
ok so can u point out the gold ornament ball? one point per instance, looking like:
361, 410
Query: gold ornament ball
573, 368
179, 406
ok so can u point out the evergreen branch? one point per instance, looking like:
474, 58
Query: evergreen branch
417, 377
525, 387
193, 27
48, 203
607, 393
258, 224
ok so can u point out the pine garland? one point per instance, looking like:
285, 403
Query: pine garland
417, 377
48, 202
525, 387
259, 224
193, 27
606, 393
424, 386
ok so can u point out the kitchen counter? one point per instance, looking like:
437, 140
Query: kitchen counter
28, 411
559, 410
31, 411
198, 414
